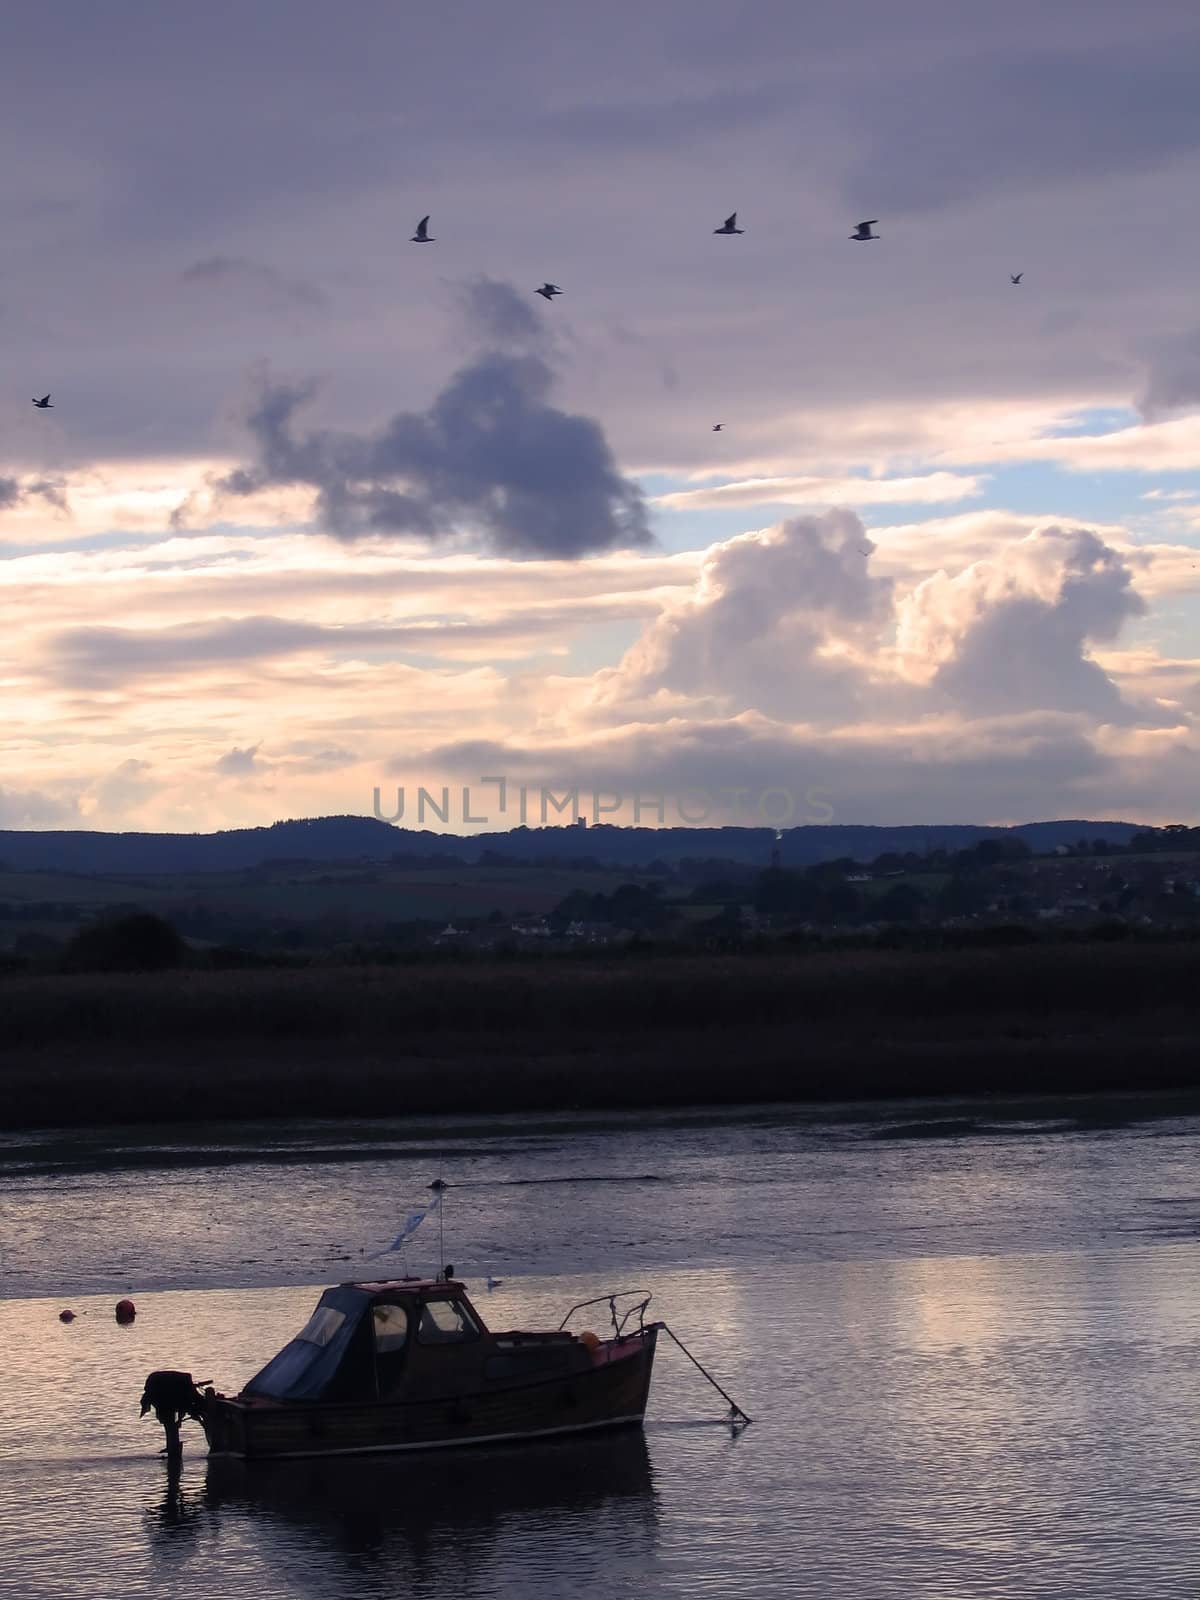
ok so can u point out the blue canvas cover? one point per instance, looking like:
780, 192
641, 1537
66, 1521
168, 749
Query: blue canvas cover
312, 1363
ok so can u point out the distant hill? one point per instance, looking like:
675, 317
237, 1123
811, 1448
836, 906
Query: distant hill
328, 839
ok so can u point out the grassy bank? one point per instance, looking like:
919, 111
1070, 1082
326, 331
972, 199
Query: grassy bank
610, 1032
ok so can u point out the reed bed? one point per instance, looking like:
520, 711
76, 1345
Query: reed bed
617, 1030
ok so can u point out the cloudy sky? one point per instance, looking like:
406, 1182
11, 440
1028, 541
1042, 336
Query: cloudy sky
318, 511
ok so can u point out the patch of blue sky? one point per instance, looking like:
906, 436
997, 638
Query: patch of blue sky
1028, 488
694, 527
1094, 420
1041, 488
597, 645
1171, 626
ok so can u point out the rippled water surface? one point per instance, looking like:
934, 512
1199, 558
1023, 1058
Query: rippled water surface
970, 1342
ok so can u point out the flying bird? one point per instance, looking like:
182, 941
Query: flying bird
1015, 277
863, 231
717, 427
730, 225
422, 235
548, 291
44, 403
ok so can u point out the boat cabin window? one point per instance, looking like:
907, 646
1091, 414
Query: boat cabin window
321, 1326
391, 1328
446, 1322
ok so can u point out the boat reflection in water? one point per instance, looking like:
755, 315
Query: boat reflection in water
589, 1499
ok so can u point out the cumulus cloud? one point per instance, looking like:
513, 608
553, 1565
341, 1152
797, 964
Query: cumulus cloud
237, 763
491, 458
124, 790
790, 624
1013, 633
775, 623
34, 808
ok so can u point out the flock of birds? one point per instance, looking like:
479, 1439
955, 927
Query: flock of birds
862, 234
548, 291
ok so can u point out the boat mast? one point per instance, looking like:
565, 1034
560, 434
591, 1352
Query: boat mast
439, 1186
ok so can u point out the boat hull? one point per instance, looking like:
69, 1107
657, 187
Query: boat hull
610, 1393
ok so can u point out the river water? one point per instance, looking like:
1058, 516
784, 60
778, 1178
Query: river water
969, 1339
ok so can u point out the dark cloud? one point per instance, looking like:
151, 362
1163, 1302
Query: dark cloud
15, 491
491, 458
497, 315
999, 770
291, 161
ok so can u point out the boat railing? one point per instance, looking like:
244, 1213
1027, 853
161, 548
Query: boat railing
641, 1299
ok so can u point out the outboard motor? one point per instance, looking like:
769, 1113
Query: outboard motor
173, 1396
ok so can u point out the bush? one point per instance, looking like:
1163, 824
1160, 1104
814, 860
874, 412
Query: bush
139, 942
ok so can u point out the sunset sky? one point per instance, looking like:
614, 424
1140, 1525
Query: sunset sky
318, 510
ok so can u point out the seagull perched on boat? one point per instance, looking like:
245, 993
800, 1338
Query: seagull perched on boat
548, 291
1015, 277
44, 403
730, 225
422, 235
863, 231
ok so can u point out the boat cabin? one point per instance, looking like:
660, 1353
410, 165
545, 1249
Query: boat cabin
408, 1339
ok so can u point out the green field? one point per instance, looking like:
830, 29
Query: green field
362, 896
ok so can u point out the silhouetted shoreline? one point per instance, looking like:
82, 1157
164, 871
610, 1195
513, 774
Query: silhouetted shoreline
189, 1046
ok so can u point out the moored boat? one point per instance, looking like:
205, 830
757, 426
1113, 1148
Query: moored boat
410, 1364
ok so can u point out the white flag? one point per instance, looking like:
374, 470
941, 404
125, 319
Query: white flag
411, 1224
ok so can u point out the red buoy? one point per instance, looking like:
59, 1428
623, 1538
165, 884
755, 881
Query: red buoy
126, 1311
66, 1316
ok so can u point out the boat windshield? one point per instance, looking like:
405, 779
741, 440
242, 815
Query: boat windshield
446, 1322
391, 1328
321, 1326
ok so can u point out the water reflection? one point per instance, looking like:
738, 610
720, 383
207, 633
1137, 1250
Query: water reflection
417, 1520
971, 1360
174, 1520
